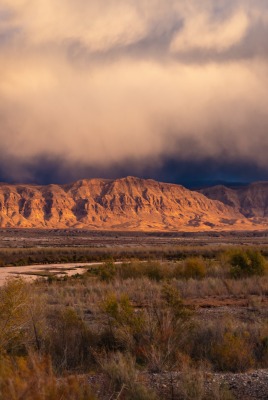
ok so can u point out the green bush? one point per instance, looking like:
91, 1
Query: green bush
247, 263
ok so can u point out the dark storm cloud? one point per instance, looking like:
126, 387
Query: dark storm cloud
127, 87
193, 174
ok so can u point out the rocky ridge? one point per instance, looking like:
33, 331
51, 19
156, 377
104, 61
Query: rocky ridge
123, 204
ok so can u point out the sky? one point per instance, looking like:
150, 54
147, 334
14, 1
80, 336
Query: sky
173, 90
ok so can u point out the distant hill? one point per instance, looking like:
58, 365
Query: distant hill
251, 200
133, 204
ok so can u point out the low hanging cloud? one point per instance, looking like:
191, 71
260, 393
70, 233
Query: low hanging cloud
98, 84
202, 32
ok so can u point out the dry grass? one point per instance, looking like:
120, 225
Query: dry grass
140, 316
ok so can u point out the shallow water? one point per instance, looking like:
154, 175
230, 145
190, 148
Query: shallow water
33, 272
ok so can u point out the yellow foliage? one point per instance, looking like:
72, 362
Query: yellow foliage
33, 379
14, 315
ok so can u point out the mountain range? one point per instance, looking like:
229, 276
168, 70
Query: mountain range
133, 204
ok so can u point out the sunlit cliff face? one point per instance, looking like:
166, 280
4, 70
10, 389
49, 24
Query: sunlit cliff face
100, 83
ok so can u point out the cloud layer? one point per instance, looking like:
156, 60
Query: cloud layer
97, 84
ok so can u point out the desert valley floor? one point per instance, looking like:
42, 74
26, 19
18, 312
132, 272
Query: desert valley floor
69, 267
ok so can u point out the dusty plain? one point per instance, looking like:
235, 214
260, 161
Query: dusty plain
43, 238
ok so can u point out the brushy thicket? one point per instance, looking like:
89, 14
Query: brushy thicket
28, 256
230, 264
127, 318
50, 255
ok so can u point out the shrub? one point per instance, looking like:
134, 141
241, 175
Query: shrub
192, 268
167, 325
234, 353
32, 378
247, 263
173, 300
192, 385
220, 391
121, 313
69, 340
107, 271
264, 351
261, 345
132, 270
121, 372
154, 271
14, 317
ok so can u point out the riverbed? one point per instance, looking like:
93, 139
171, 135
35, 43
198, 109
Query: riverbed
33, 272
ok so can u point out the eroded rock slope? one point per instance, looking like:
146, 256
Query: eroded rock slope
124, 204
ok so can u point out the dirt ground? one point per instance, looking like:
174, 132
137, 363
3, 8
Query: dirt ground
21, 238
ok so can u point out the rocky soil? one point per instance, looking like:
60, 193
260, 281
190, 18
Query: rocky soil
252, 385
244, 386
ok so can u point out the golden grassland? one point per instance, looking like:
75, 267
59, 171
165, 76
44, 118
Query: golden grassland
95, 334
